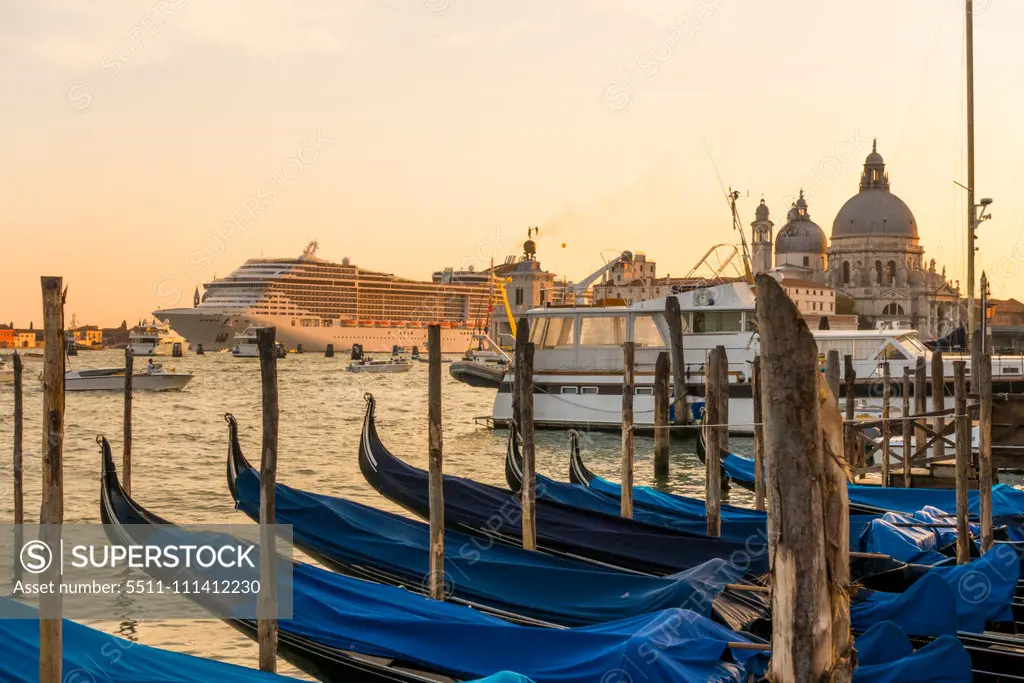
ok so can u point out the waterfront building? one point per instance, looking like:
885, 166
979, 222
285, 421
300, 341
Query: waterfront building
875, 258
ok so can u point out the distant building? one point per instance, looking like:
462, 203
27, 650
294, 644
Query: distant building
89, 335
636, 280
7, 337
875, 257
25, 339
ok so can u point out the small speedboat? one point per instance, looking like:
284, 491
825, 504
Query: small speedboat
154, 378
246, 347
6, 373
484, 375
380, 366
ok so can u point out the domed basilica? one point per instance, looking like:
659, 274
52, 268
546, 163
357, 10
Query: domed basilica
875, 257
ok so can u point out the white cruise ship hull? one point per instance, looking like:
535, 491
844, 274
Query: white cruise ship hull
217, 331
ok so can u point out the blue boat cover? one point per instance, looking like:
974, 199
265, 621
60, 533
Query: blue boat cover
918, 545
532, 584
658, 500
738, 524
92, 656
1007, 502
885, 655
985, 587
351, 614
927, 608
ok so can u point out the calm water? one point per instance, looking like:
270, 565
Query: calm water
179, 449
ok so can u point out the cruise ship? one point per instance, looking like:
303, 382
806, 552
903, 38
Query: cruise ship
314, 302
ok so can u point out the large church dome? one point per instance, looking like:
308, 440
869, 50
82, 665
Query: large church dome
800, 234
875, 210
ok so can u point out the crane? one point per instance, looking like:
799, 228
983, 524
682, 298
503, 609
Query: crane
579, 288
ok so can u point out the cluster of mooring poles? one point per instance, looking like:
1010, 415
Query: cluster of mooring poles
804, 456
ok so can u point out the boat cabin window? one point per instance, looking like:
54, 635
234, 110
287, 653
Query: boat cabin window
645, 391
890, 352
551, 333
569, 390
717, 321
602, 331
913, 344
646, 332
588, 390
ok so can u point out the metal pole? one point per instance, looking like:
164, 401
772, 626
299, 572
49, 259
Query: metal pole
972, 223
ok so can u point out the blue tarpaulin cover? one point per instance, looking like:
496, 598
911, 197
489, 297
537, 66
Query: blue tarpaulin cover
531, 584
885, 655
927, 608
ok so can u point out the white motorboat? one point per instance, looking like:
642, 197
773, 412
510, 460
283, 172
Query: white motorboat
152, 340
6, 373
391, 365
154, 378
578, 359
245, 345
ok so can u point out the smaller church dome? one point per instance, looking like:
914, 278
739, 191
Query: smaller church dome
800, 234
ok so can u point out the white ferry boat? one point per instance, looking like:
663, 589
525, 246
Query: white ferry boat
578, 359
152, 339
152, 378
314, 302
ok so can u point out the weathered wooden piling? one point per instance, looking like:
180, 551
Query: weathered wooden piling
802, 541
921, 405
662, 435
976, 348
723, 398
832, 371
329, 351
524, 390
51, 514
713, 440
19, 410
126, 454
675, 334
939, 402
176, 350
886, 421
628, 392
436, 452
199, 350
906, 429
963, 461
756, 388
852, 449
985, 473
267, 630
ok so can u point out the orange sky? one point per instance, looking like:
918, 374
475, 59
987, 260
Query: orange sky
152, 145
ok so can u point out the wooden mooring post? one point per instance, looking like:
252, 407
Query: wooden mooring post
939, 402
524, 390
963, 461
662, 435
851, 445
723, 398
628, 392
126, 454
985, 473
906, 429
921, 407
435, 449
756, 389
675, 332
51, 514
713, 440
267, 630
886, 421
832, 371
806, 572
18, 472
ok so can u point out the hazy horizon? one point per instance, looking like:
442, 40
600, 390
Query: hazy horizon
154, 145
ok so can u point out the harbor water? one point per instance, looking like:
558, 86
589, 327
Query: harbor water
180, 446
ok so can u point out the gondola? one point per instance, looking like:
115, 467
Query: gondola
521, 586
1007, 502
400, 482
890, 538
477, 509
118, 510
461, 643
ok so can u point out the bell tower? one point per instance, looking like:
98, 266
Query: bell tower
761, 244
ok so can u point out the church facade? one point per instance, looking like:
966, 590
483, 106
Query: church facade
875, 258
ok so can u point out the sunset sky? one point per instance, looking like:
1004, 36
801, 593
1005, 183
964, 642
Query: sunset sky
149, 146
